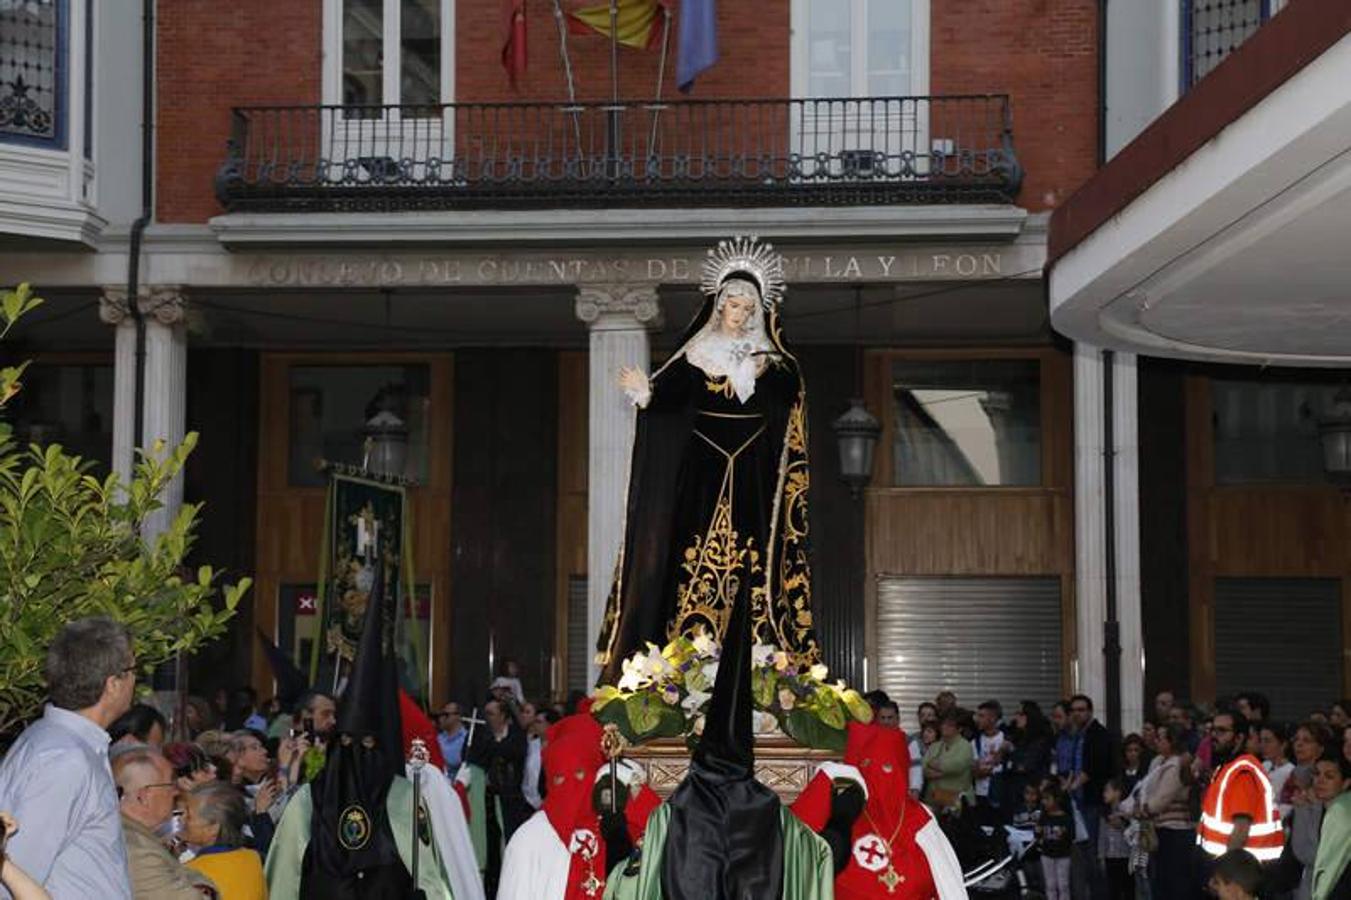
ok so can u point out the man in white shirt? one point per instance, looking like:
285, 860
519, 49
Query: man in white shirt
55, 780
534, 746
989, 748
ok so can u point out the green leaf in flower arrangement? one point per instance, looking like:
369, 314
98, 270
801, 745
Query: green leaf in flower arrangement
651, 718
603, 696
858, 707
830, 711
763, 683
617, 714
809, 731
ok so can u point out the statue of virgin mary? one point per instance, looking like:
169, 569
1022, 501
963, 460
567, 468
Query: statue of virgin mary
716, 512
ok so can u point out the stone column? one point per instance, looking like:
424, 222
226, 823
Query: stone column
165, 391
619, 317
114, 311
1091, 458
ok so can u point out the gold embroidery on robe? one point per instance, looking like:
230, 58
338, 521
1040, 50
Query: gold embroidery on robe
715, 564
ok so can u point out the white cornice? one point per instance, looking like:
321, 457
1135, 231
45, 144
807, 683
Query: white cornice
585, 227
53, 221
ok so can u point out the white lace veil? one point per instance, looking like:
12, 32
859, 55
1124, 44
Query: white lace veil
737, 356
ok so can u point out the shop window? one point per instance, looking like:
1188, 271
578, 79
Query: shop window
1267, 431
966, 423
70, 405
371, 416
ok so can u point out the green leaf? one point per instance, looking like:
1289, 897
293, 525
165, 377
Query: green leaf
809, 731
642, 716
762, 688
604, 694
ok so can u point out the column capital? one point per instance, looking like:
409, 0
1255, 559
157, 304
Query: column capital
164, 303
619, 305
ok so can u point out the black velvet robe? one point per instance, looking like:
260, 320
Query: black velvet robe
716, 512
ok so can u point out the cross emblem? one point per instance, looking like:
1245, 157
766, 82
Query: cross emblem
592, 885
890, 878
584, 842
871, 853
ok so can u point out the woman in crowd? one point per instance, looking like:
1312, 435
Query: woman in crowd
214, 827
1310, 740
1030, 760
198, 715
947, 765
1332, 867
191, 765
1062, 760
1339, 715
1164, 805
142, 724
1275, 755
1135, 760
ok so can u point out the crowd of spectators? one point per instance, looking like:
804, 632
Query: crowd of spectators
1116, 816
97, 800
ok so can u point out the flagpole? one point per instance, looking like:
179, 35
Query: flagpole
567, 72
614, 88
661, 79
614, 51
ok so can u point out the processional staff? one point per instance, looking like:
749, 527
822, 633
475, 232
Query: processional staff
418, 757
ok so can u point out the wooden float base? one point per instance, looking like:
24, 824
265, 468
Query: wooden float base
780, 764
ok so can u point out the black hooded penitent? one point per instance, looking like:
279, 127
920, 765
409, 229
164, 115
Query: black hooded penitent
725, 837
352, 853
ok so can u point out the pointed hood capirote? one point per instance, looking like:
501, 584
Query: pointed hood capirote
882, 757
725, 836
352, 853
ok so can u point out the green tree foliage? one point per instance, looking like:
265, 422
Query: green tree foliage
70, 546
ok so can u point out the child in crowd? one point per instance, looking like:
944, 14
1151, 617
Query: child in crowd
1113, 850
1028, 818
1055, 840
1237, 876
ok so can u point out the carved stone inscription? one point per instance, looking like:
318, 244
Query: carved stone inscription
529, 269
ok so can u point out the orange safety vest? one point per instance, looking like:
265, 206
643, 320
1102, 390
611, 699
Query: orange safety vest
1241, 788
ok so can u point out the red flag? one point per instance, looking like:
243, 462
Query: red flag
513, 38
416, 723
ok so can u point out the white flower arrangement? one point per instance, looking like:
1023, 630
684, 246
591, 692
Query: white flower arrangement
665, 691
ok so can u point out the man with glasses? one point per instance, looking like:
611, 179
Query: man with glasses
1239, 811
55, 779
146, 780
451, 736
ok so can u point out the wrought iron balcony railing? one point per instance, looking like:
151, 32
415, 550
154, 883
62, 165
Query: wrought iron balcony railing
854, 151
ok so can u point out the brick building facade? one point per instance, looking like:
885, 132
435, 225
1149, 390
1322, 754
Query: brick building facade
498, 253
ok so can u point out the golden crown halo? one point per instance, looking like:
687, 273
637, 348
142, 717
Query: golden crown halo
745, 253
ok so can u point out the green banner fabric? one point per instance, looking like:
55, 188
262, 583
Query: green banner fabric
367, 523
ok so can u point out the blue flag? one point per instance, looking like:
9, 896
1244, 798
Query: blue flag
698, 41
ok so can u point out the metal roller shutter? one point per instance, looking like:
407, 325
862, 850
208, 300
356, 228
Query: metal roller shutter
1280, 636
579, 654
982, 638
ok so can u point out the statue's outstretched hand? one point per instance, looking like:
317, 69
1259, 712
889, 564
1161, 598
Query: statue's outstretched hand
633, 381
636, 385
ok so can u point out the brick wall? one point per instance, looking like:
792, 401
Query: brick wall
212, 56
1043, 53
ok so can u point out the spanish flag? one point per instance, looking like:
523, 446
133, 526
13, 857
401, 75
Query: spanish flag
638, 24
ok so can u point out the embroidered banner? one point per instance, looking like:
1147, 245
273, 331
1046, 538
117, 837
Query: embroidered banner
367, 521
